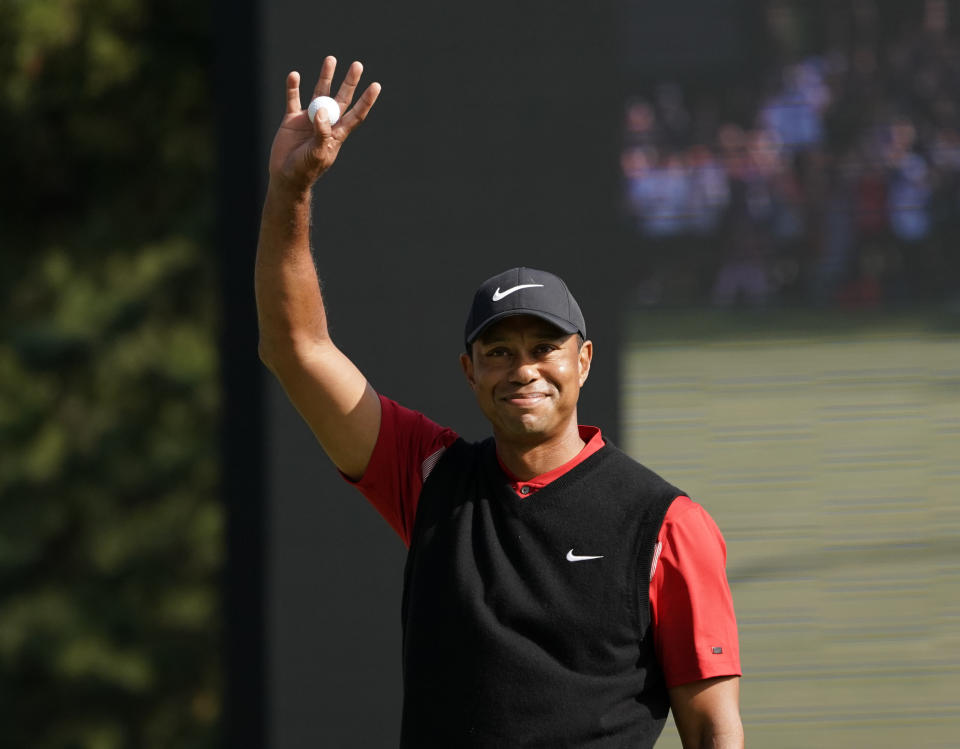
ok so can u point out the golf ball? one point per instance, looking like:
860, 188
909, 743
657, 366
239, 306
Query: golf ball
330, 106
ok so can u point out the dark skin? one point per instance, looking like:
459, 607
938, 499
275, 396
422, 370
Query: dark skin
330, 393
525, 374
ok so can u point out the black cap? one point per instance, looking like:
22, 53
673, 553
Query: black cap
524, 291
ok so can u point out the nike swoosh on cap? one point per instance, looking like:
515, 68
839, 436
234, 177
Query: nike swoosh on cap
571, 557
498, 295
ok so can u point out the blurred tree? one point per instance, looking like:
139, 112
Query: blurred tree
110, 523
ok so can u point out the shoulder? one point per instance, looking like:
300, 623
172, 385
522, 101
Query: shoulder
458, 454
408, 422
688, 519
623, 469
690, 540
616, 457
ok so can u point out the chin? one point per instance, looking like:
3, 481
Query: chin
528, 427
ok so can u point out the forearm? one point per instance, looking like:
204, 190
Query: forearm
289, 303
707, 713
717, 737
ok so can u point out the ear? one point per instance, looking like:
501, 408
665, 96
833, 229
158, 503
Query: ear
466, 364
584, 357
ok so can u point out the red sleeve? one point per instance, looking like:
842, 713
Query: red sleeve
408, 445
694, 627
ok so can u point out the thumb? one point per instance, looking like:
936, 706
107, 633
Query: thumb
321, 123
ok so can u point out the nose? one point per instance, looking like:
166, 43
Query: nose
524, 370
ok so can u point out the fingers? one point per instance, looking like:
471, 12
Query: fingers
293, 92
359, 111
351, 79
325, 81
351, 117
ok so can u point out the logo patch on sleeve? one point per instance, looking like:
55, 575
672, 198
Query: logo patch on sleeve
717, 651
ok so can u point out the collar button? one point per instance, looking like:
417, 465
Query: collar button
524, 490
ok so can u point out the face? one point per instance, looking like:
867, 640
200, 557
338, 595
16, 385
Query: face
526, 375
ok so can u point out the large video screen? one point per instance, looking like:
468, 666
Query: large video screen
791, 352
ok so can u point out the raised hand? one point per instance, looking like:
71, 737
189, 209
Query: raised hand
303, 150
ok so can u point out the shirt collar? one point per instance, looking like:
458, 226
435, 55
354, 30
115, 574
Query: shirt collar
594, 441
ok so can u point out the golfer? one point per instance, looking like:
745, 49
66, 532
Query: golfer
557, 593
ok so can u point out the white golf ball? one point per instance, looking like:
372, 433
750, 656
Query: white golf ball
330, 106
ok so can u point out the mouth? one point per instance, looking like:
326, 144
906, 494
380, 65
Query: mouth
525, 400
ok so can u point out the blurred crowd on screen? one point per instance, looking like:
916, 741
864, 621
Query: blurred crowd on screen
830, 175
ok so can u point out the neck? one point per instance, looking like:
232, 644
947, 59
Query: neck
526, 459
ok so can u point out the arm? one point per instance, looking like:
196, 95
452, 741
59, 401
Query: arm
327, 389
707, 713
695, 629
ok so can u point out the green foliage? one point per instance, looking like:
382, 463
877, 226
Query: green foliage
110, 525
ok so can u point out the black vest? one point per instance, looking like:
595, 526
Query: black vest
510, 637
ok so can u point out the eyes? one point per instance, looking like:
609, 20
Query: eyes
539, 351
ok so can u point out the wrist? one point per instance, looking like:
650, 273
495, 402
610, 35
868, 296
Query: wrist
289, 191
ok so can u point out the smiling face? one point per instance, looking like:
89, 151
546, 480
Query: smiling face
526, 375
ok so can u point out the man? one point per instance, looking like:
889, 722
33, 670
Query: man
557, 593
